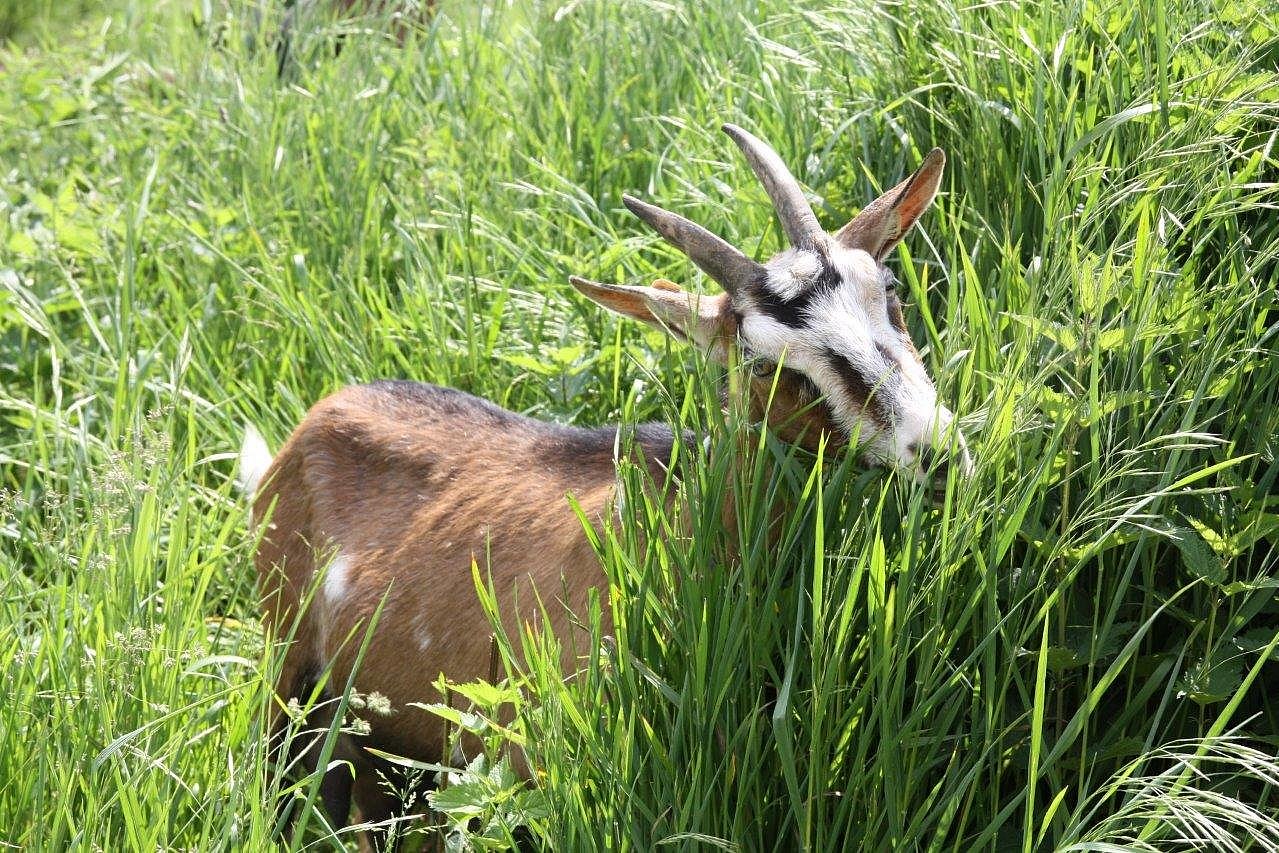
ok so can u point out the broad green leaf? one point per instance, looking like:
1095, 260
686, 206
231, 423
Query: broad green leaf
460, 799
1205, 683
21, 243
1055, 332
531, 364
1198, 558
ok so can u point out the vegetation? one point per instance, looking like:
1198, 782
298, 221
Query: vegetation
1078, 649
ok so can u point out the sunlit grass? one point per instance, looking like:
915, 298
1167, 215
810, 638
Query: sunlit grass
1077, 648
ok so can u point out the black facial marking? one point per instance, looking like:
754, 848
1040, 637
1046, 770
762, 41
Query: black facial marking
895, 314
887, 278
861, 388
828, 278
891, 299
889, 360
790, 312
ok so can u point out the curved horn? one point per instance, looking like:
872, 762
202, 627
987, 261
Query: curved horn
788, 199
717, 258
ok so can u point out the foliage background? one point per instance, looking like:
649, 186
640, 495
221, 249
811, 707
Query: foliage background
1079, 647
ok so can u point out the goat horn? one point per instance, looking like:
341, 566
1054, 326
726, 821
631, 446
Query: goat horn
788, 199
721, 261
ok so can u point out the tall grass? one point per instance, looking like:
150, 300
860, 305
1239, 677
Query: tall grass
1078, 648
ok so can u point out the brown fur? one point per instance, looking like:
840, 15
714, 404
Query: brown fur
794, 412
411, 483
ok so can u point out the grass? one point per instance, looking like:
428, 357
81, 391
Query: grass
1078, 649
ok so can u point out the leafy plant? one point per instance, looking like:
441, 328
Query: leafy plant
1077, 648
483, 803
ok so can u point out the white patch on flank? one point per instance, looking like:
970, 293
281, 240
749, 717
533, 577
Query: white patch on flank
255, 459
337, 578
421, 633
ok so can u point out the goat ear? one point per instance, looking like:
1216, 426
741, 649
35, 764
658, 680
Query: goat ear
883, 223
687, 316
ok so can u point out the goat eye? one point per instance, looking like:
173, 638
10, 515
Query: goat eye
763, 368
759, 366
888, 279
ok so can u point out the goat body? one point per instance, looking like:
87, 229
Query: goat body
389, 492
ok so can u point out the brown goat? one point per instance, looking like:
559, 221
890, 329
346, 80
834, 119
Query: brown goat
386, 493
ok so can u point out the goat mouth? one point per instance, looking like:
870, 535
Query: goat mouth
933, 484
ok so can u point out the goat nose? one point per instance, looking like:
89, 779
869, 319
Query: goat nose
935, 464
940, 469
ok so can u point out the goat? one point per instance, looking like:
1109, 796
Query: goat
386, 493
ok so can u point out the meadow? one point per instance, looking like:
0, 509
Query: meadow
1077, 650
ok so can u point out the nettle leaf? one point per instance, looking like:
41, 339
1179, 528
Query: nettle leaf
486, 695
78, 238
1197, 556
44, 204
1206, 683
1084, 646
565, 356
531, 804
1251, 528
66, 203
1087, 644
1112, 339
1215, 540
23, 244
465, 719
494, 837
1113, 539
1256, 526
1034, 533
1114, 401
1255, 641
499, 774
460, 800
527, 362
1057, 406
1248, 586
1058, 333
1063, 658
1095, 284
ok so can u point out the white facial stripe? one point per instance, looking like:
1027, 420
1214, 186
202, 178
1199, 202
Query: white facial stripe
854, 330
